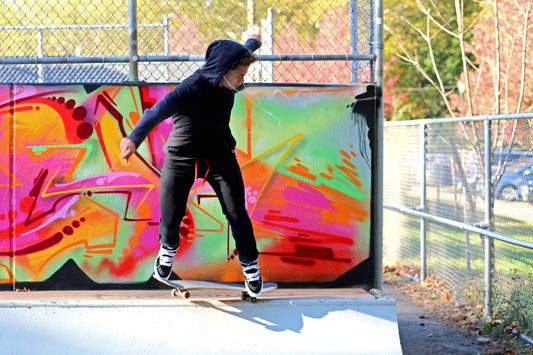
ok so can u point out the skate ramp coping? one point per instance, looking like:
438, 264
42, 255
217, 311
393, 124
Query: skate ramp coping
284, 322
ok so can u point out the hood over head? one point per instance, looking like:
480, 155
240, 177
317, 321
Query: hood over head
219, 57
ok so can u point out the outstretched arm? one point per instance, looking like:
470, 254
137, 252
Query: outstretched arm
164, 108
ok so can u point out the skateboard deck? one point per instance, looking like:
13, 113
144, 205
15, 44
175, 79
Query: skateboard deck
182, 287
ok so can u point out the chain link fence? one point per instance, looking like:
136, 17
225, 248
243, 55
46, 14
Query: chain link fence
437, 169
66, 41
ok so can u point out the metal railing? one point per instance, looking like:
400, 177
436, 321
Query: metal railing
487, 234
156, 36
430, 173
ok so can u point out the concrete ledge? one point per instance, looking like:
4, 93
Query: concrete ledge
285, 322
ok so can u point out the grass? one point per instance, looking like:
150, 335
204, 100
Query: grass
461, 267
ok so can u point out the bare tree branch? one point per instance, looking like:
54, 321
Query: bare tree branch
497, 58
526, 14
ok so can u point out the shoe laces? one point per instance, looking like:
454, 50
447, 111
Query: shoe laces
251, 271
166, 256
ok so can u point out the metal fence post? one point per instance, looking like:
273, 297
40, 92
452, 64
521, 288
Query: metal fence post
423, 196
488, 276
132, 40
40, 54
489, 220
354, 38
267, 34
166, 38
377, 153
250, 7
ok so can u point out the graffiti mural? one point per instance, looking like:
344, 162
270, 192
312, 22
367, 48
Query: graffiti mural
66, 196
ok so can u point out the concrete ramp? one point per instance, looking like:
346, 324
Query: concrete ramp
347, 321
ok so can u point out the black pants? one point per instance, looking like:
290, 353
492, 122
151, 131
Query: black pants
224, 176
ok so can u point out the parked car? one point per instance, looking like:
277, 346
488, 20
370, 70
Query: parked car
513, 157
516, 183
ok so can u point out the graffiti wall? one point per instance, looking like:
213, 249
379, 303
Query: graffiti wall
68, 198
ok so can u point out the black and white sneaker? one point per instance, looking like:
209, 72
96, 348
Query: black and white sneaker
163, 262
254, 282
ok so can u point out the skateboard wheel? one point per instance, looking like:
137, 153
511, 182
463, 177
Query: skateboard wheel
186, 294
174, 292
246, 297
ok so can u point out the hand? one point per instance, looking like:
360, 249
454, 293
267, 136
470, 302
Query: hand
257, 37
127, 149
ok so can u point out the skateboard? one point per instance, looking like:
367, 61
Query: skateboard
182, 287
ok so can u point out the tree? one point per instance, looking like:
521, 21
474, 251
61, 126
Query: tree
494, 50
395, 99
500, 79
406, 37
502, 72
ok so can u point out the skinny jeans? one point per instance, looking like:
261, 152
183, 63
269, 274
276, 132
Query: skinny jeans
223, 173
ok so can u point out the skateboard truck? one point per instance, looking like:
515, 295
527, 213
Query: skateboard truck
182, 288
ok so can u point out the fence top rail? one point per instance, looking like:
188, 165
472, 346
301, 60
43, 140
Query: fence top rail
76, 27
460, 225
429, 121
178, 58
264, 57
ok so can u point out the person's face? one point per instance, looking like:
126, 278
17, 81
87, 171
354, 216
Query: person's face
234, 78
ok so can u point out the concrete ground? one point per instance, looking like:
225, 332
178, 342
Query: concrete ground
299, 317
284, 321
422, 333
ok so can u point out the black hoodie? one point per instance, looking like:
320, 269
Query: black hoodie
199, 107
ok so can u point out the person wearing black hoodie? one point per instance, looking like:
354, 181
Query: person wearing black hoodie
201, 145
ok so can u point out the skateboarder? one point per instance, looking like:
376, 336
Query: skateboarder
201, 146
